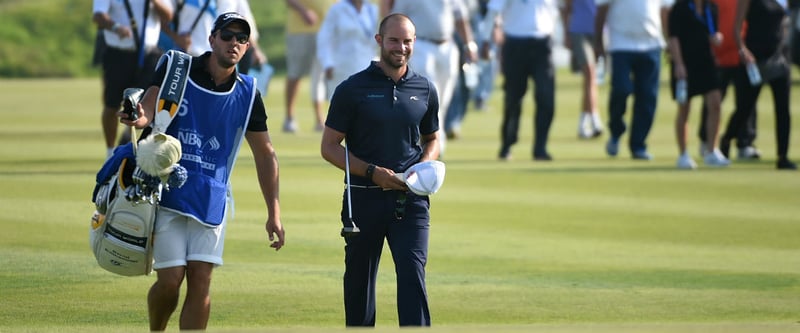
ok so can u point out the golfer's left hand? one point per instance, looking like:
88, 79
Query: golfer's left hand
274, 228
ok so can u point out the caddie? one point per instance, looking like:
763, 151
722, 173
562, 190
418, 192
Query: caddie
220, 109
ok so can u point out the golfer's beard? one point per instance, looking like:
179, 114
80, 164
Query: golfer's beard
389, 58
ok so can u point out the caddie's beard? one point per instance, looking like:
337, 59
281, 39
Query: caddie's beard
225, 62
228, 59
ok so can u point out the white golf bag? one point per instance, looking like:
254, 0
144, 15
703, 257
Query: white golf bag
122, 241
128, 186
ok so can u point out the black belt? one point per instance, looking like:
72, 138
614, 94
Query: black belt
365, 187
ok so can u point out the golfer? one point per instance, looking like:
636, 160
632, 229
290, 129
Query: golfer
220, 108
387, 116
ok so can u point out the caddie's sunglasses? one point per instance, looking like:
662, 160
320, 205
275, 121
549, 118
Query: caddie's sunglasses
226, 35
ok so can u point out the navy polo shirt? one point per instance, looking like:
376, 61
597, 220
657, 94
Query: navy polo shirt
382, 119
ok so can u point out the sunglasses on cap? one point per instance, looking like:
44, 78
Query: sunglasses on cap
241, 37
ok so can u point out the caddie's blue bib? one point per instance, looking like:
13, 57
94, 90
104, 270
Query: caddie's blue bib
210, 126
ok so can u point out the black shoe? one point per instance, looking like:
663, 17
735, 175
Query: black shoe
505, 154
642, 155
542, 157
480, 104
725, 147
749, 153
786, 164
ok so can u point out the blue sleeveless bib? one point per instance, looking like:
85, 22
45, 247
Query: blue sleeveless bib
210, 126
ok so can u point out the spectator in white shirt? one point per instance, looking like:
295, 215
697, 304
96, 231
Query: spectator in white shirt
345, 41
131, 53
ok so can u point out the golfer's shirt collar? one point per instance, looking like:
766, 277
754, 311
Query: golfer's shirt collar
375, 69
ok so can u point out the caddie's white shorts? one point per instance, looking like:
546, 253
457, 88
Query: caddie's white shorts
180, 238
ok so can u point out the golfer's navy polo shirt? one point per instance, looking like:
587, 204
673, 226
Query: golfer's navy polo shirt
383, 120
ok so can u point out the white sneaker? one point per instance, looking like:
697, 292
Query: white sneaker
289, 126
716, 159
589, 126
597, 124
584, 129
686, 162
584, 133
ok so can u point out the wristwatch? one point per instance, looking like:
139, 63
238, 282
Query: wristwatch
370, 171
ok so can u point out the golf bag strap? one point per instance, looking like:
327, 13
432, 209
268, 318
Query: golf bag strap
172, 88
134, 25
139, 39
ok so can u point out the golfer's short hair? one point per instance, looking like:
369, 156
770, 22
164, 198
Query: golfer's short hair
393, 16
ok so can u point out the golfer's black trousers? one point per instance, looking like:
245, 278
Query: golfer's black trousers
403, 220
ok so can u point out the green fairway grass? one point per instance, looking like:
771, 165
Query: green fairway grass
582, 243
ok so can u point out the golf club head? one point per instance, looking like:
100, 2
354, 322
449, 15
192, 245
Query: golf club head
350, 231
130, 98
